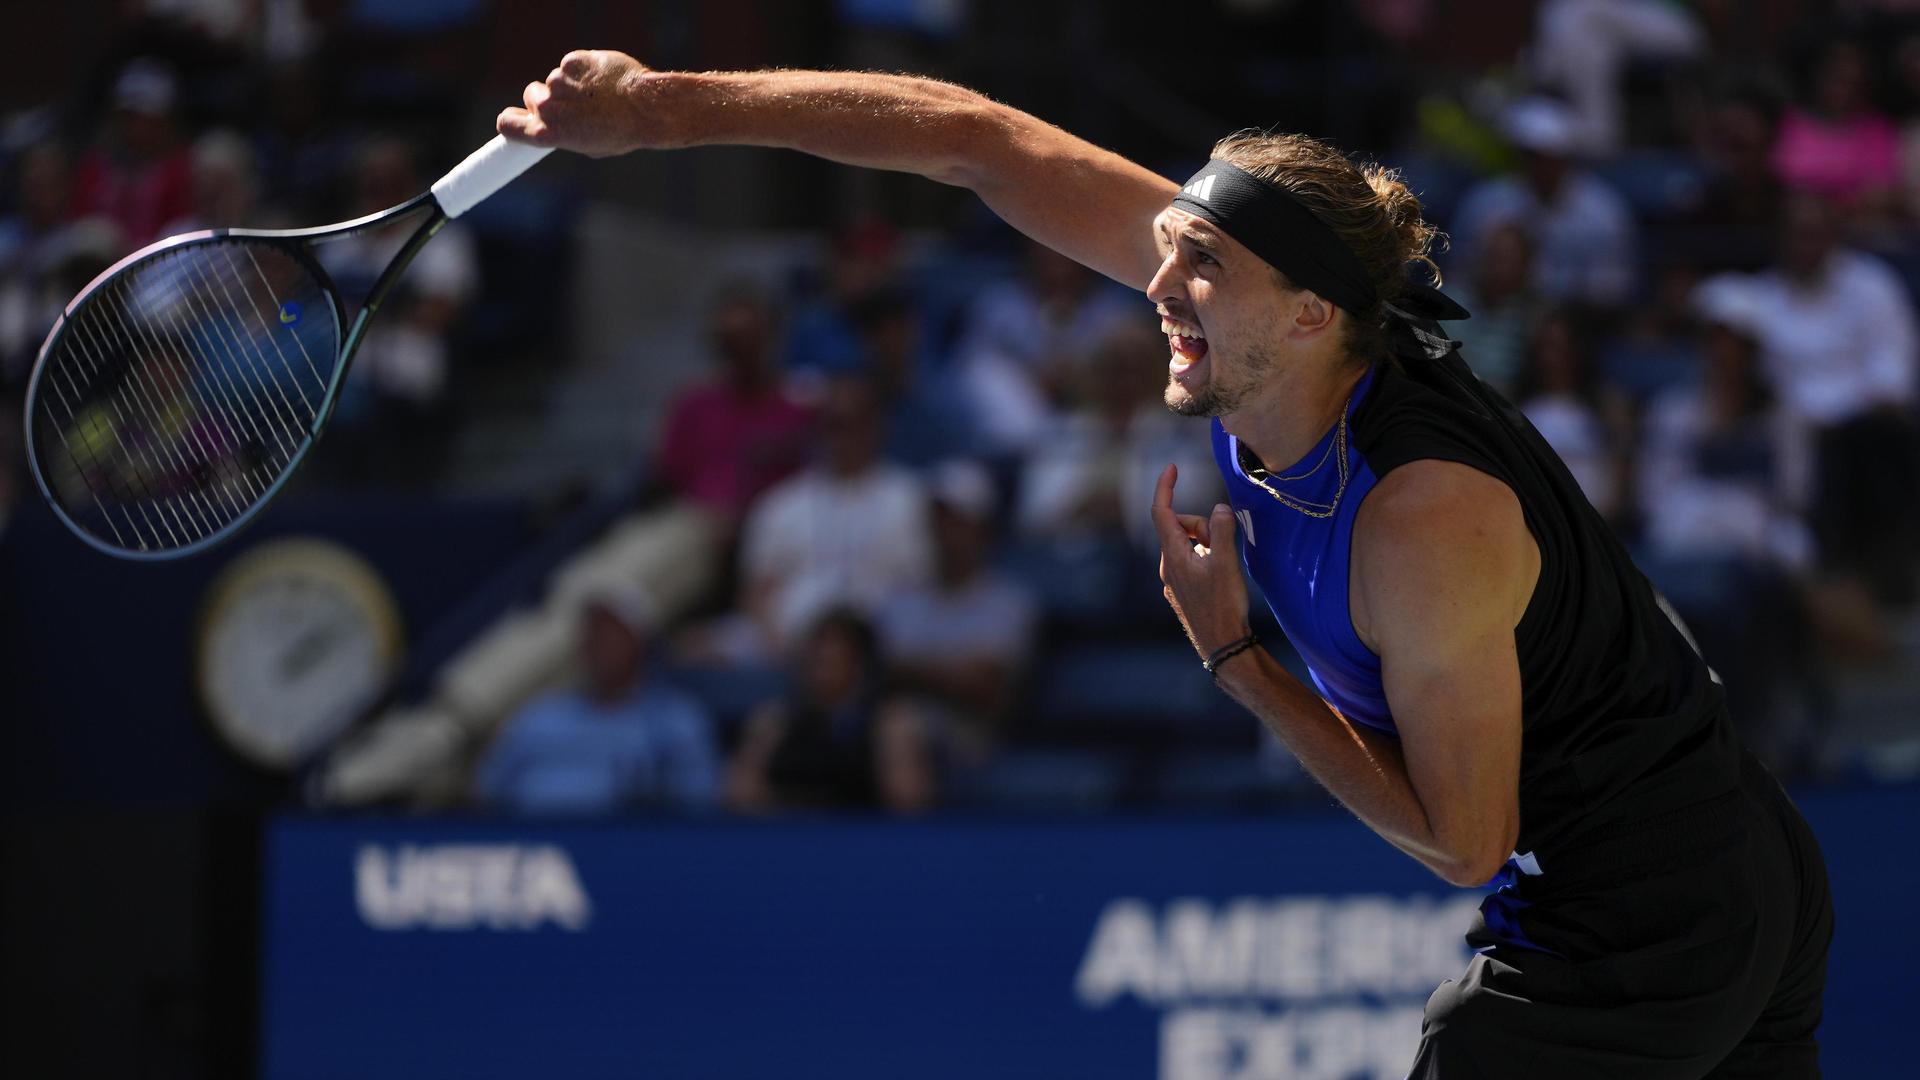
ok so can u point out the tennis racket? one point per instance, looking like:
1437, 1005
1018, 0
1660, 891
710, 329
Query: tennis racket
178, 392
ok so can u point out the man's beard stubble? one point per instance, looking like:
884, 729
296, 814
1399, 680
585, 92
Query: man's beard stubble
1205, 403
1218, 397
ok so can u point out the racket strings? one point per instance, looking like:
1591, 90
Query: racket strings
278, 306
141, 395
175, 401
221, 323
122, 408
183, 389
146, 392
218, 332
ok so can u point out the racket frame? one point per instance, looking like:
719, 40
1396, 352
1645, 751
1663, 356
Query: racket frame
297, 243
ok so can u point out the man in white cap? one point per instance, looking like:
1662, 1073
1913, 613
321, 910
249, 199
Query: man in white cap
140, 177
622, 739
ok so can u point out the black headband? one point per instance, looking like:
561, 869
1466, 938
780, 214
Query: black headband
1269, 222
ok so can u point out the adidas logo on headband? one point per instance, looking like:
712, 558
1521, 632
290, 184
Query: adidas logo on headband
1200, 188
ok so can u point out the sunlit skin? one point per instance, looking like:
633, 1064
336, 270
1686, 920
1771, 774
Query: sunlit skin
1244, 345
1266, 358
1443, 564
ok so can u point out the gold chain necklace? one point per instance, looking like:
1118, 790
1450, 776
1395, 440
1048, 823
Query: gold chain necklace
1338, 451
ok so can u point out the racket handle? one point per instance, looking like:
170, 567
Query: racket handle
485, 171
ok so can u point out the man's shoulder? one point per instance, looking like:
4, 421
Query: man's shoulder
806, 485
1406, 412
1674, 411
1434, 522
1002, 591
1436, 455
780, 500
895, 483
1855, 269
1590, 193
546, 712
668, 702
1427, 494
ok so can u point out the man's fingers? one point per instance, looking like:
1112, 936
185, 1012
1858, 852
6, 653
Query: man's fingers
1221, 525
1196, 527
535, 95
1222, 522
1176, 532
520, 124
1172, 537
576, 63
1163, 490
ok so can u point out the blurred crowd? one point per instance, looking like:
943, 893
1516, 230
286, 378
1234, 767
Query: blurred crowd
1689, 236
205, 116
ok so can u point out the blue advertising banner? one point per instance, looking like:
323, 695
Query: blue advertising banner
1177, 949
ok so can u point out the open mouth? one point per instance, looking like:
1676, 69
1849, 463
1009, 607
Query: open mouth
1189, 344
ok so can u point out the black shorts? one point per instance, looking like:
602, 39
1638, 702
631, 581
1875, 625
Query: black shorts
1693, 946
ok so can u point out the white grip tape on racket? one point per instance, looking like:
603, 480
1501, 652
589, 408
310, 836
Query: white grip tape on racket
485, 171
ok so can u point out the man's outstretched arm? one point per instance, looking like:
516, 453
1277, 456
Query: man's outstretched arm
1089, 204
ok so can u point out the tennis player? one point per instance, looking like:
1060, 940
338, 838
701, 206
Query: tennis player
1496, 690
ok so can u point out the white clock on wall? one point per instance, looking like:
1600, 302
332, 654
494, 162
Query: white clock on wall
298, 638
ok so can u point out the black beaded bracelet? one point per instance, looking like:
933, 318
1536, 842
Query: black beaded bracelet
1227, 652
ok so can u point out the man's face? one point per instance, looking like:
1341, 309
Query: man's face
1222, 308
740, 331
849, 425
1545, 171
1807, 236
960, 541
832, 667
613, 651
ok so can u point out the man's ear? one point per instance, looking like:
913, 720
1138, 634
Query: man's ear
1312, 313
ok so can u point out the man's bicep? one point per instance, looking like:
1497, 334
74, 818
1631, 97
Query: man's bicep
1447, 569
1456, 705
1089, 204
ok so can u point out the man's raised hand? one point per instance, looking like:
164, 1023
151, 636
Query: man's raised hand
591, 104
1199, 569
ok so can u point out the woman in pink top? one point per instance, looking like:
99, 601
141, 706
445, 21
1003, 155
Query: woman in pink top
1839, 145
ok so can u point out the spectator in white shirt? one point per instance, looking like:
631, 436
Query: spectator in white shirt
1583, 230
1837, 329
957, 646
1024, 342
1085, 546
846, 532
1723, 469
1090, 477
405, 353
1837, 337
1723, 473
394, 422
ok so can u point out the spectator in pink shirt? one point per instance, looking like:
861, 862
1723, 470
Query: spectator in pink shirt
731, 437
1838, 144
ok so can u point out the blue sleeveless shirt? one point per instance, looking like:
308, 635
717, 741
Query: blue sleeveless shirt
1621, 721
1298, 552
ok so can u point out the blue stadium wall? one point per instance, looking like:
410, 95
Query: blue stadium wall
1183, 949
